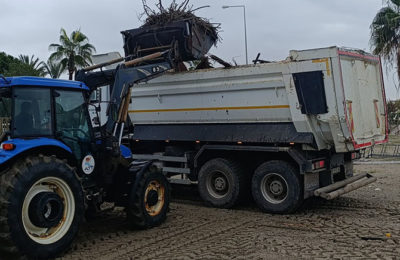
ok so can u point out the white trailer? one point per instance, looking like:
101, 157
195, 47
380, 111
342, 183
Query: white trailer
284, 130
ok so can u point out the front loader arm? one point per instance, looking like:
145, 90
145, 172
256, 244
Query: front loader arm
121, 80
126, 78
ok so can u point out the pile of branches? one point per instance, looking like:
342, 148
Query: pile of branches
177, 12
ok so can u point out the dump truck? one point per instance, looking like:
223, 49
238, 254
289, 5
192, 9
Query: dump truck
282, 131
56, 167
279, 131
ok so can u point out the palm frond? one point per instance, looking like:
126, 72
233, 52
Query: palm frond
394, 3
53, 69
385, 34
72, 51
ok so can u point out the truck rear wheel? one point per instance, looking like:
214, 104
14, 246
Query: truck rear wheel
148, 205
276, 187
41, 207
221, 182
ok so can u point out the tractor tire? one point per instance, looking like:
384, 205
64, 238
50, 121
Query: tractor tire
277, 187
221, 183
149, 203
41, 208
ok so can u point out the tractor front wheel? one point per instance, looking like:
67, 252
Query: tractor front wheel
148, 204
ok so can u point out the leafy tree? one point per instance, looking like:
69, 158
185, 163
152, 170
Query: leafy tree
34, 64
73, 51
393, 113
385, 33
24, 66
5, 61
21, 69
53, 69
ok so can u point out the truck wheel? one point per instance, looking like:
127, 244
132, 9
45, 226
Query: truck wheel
41, 207
148, 205
276, 187
221, 183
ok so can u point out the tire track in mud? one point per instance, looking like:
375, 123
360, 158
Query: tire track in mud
123, 238
211, 230
334, 239
350, 227
194, 232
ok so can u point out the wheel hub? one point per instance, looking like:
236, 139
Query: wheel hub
152, 198
46, 210
276, 187
220, 183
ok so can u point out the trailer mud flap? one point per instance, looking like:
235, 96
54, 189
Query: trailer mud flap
342, 187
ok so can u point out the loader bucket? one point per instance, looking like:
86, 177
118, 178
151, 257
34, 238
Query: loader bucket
189, 39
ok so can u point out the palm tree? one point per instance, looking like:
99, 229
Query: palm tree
34, 64
72, 52
385, 33
54, 69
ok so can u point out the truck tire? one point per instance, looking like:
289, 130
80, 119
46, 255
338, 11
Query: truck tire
221, 182
41, 208
148, 205
276, 187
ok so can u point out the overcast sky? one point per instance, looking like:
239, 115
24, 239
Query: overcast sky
274, 26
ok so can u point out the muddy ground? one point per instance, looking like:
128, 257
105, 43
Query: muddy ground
363, 224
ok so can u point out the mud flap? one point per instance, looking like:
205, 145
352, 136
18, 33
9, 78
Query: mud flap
342, 187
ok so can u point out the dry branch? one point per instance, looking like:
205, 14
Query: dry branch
163, 15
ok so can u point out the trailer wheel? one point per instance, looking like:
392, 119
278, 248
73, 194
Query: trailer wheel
221, 183
41, 208
276, 187
148, 205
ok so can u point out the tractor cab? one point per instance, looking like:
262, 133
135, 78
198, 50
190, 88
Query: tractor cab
39, 110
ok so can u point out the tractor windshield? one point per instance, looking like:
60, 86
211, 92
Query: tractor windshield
71, 114
5, 110
32, 112
72, 121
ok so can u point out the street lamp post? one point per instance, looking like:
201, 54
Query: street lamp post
245, 27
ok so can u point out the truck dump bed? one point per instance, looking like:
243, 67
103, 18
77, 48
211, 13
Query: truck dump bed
325, 98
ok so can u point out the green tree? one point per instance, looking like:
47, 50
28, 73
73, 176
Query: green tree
34, 64
393, 110
73, 51
24, 66
5, 61
385, 33
53, 69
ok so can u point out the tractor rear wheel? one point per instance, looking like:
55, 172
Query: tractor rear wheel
149, 203
41, 208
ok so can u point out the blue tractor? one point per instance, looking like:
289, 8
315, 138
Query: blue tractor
55, 167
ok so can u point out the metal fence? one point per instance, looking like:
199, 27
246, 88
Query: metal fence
382, 150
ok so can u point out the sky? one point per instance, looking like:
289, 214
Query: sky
274, 27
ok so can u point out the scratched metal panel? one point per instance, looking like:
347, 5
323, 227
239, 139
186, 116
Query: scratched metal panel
364, 99
244, 94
